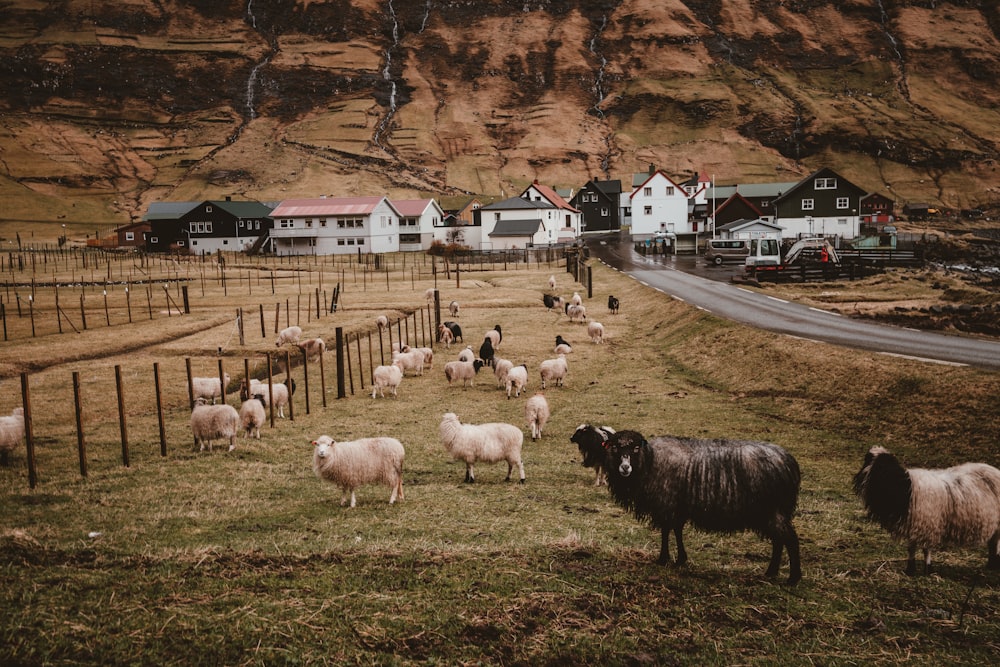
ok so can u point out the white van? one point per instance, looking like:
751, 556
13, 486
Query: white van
718, 251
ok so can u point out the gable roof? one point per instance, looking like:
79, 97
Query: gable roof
653, 175
292, 208
242, 209
552, 196
515, 228
737, 225
515, 203
412, 208
168, 210
757, 190
735, 198
608, 187
842, 183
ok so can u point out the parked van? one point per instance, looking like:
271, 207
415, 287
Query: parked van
718, 251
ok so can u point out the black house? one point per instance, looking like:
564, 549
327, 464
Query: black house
598, 201
205, 227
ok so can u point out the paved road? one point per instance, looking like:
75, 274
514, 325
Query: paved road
707, 287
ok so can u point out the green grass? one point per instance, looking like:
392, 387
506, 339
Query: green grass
246, 558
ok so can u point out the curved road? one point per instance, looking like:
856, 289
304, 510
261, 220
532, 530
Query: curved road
736, 303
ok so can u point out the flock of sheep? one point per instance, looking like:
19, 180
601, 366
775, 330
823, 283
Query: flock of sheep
666, 481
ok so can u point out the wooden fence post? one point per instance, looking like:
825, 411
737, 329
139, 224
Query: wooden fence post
121, 415
340, 363
29, 435
159, 408
288, 380
81, 446
305, 376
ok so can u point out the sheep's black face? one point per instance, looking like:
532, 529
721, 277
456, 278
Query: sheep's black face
625, 452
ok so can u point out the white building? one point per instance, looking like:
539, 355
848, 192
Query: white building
418, 218
568, 219
519, 223
659, 204
335, 226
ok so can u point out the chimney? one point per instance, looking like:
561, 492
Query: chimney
229, 198
652, 169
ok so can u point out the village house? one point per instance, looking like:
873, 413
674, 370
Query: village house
821, 204
335, 226
568, 219
206, 227
599, 203
418, 220
660, 206
517, 223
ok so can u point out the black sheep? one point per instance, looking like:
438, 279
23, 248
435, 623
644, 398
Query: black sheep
717, 485
613, 304
486, 352
592, 441
456, 331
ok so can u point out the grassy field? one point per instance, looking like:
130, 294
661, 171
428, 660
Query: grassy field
246, 558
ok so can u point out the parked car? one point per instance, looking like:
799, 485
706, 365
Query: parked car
718, 251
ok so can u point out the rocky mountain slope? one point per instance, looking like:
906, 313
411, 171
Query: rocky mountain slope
111, 104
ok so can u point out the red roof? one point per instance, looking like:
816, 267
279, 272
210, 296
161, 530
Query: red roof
411, 208
553, 197
297, 208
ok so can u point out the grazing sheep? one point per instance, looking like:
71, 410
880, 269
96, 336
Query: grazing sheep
453, 308
489, 443
718, 485
486, 351
536, 414
500, 368
213, 422
517, 379
554, 370
456, 331
576, 313
386, 377
410, 361
252, 416
928, 509
553, 302
382, 322
313, 348
552, 282
208, 388
496, 336
445, 336
353, 464
288, 335
463, 370
562, 346
282, 393
596, 332
467, 354
428, 356
429, 294
575, 300
592, 441
613, 304
11, 433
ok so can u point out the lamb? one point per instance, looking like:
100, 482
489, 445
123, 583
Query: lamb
592, 441
562, 346
282, 393
717, 485
428, 356
536, 414
445, 336
575, 300
353, 464
552, 282
453, 308
429, 294
312, 348
489, 443
596, 332
386, 377
554, 370
382, 322
467, 354
486, 351
213, 422
11, 433
613, 304
208, 388
517, 379
288, 335
576, 313
410, 361
932, 508
456, 330
463, 370
252, 416
500, 368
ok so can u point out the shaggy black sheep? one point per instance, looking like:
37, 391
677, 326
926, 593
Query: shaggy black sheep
486, 352
716, 485
592, 441
456, 331
613, 305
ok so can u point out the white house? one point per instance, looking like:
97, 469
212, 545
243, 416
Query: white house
568, 218
749, 229
335, 226
418, 218
519, 222
659, 204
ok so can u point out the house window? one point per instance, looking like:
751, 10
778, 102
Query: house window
765, 203
362, 241
808, 204
604, 212
647, 210
180, 244
340, 241
309, 223
322, 222
647, 192
841, 221
341, 224
241, 224
208, 209
312, 242
225, 241
670, 191
286, 224
154, 239
350, 241
826, 184
130, 236
208, 227
843, 202
193, 227
256, 224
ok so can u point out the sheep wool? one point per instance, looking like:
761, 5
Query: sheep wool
562, 346
596, 332
252, 416
208, 388
11, 433
462, 370
718, 485
386, 377
517, 379
288, 335
592, 441
445, 336
382, 322
500, 368
214, 422
453, 308
536, 414
282, 394
554, 370
312, 348
413, 360
489, 443
467, 354
351, 465
932, 508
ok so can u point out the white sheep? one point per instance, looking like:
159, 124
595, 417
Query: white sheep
252, 416
517, 379
353, 464
536, 414
596, 332
453, 308
312, 348
467, 354
496, 336
281, 394
562, 346
386, 377
413, 360
445, 336
288, 335
429, 294
489, 443
214, 422
500, 368
11, 433
382, 322
576, 300
428, 356
576, 313
208, 388
554, 370
552, 283
463, 370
